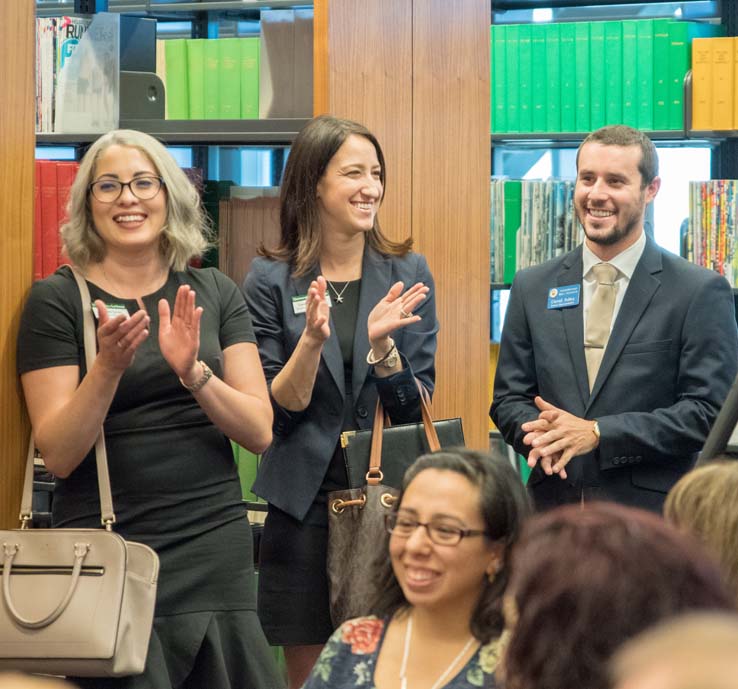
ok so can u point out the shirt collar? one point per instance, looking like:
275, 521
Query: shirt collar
626, 261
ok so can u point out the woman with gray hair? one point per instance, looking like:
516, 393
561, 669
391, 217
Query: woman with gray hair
177, 374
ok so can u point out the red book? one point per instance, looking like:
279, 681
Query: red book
65, 174
49, 217
38, 267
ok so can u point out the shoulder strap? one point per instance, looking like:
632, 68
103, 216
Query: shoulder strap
101, 455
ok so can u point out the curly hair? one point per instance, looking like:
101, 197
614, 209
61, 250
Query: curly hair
299, 217
504, 506
186, 233
585, 580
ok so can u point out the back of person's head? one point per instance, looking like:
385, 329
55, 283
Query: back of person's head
622, 135
703, 502
696, 651
186, 230
504, 506
584, 580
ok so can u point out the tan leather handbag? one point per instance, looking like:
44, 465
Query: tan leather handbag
76, 602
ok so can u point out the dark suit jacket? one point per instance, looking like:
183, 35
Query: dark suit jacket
292, 469
669, 363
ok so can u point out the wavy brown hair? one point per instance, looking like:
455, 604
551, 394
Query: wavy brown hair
299, 218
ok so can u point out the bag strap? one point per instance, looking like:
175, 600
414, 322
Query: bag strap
101, 455
375, 476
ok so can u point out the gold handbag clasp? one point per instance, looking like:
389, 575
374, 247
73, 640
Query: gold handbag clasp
338, 505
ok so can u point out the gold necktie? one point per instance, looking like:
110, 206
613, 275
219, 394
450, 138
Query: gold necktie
599, 317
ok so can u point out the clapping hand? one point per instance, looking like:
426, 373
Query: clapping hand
179, 334
317, 328
395, 311
119, 337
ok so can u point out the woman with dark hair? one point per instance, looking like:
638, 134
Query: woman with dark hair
584, 581
336, 328
438, 611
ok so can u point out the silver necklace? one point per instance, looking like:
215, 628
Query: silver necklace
339, 295
406, 654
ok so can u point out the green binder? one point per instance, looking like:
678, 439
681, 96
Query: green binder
630, 68
513, 208
553, 78
196, 77
581, 49
229, 78
614, 72
661, 74
644, 72
249, 78
597, 74
175, 52
525, 65
567, 67
512, 74
538, 81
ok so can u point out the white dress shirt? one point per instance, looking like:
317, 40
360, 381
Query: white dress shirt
626, 262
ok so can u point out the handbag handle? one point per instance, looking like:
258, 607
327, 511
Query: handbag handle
10, 551
107, 515
375, 476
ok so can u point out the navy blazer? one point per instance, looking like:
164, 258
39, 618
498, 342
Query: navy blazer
293, 467
669, 363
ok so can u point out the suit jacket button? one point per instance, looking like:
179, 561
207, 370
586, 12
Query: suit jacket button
362, 412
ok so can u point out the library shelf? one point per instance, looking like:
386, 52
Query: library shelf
268, 132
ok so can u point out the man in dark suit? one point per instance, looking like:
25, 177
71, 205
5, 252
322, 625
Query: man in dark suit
609, 377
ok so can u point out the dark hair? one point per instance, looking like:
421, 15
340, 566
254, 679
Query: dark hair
621, 135
585, 580
311, 151
504, 506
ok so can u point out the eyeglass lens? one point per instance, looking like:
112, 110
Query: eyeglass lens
108, 190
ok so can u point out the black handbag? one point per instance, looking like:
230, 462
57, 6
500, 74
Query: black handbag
376, 461
399, 446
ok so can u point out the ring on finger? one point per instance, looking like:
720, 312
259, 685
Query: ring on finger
404, 314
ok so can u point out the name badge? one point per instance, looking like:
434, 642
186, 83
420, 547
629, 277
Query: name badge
299, 304
563, 297
113, 310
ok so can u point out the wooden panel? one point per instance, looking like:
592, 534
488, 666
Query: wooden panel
363, 71
451, 168
16, 220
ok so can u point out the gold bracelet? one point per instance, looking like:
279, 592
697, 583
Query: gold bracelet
207, 374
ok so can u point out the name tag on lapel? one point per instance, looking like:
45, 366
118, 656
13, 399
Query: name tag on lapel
563, 297
113, 310
299, 303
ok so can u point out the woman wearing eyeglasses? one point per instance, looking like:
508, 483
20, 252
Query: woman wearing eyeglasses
176, 375
438, 610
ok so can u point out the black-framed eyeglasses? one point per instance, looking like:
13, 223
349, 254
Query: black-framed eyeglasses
143, 188
440, 533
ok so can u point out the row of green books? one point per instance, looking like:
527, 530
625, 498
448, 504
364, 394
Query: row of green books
211, 79
577, 77
531, 222
712, 237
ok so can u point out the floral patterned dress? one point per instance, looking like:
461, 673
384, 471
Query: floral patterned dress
350, 656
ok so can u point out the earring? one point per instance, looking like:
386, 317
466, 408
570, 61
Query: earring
492, 571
